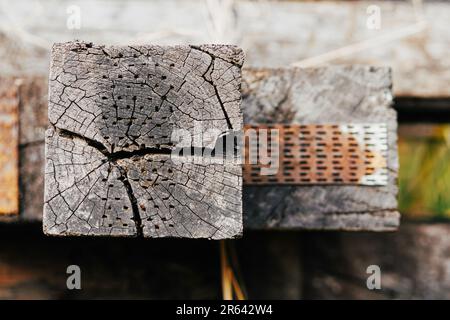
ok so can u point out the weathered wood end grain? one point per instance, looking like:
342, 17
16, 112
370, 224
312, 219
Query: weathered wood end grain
334, 95
114, 112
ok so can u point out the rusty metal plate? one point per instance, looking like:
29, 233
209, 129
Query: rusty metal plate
9, 162
316, 154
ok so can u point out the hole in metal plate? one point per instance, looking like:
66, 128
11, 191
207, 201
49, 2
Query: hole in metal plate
354, 154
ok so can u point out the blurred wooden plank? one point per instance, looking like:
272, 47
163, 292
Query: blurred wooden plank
413, 263
33, 123
9, 147
422, 110
33, 266
342, 95
414, 41
32, 111
421, 131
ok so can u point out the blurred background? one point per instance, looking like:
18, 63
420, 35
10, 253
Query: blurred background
412, 37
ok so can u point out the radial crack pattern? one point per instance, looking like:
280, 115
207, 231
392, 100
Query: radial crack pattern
113, 114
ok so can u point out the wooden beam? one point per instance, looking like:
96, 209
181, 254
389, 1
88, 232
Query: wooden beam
112, 164
412, 37
33, 119
413, 262
31, 95
33, 266
285, 96
342, 95
9, 147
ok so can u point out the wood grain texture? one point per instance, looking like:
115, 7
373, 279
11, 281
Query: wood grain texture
334, 31
342, 95
9, 147
33, 123
109, 163
31, 95
413, 263
265, 207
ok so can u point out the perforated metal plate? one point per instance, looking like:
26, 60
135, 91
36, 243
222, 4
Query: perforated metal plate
9, 162
316, 154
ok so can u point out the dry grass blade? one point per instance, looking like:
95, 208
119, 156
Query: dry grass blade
230, 284
227, 293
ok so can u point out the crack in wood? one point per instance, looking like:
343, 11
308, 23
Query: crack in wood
136, 216
110, 158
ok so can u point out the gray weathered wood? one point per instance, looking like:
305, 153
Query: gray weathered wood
412, 38
377, 215
354, 94
354, 217
33, 122
109, 164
